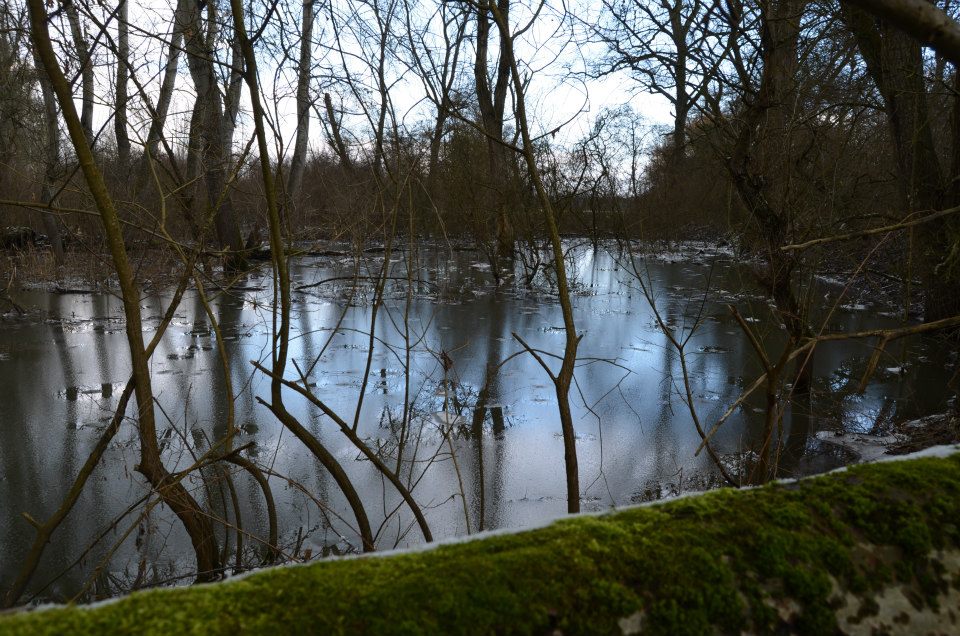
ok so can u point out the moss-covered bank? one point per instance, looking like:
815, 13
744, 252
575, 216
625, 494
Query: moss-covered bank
872, 548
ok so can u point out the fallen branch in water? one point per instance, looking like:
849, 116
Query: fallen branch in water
885, 336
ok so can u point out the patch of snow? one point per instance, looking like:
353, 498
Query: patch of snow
867, 447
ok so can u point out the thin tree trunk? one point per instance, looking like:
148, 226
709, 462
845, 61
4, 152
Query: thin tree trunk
51, 161
563, 379
436, 139
167, 85
336, 140
299, 159
953, 187
207, 132
282, 337
45, 530
378, 149
196, 522
451, 56
86, 69
120, 107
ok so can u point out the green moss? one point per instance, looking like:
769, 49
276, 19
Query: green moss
763, 560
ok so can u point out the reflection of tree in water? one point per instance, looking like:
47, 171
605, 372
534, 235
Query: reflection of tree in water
488, 403
658, 462
677, 484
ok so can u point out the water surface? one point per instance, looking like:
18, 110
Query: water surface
63, 368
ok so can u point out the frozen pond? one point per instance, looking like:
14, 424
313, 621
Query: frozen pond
63, 369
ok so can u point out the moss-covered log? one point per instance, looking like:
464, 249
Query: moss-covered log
875, 549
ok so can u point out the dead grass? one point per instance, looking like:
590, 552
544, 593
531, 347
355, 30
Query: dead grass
36, 267
934, 430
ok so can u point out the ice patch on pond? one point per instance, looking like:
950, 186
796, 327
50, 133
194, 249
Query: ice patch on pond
867, 447
448, 419
713, 349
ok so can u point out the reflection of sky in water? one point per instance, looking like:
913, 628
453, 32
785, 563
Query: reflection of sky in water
635, 439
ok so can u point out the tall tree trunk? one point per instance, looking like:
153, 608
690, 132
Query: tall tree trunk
231, 102
51, 160
206, 131
167, 85
492, 102
281, 340
762, 164
120, 107
299, 159
378, 149
86, 69
10, 81
894, 60
445, 105
336, 139
953, 191
681, 103
436, 140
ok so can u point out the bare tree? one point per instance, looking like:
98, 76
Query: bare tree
120, 101
334, 134
167, 86
439, 76
299, 159
660, 44
207, 151
762, 160
492, 101
563, 378
85, 64
894, 60
281, 338
172, 492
